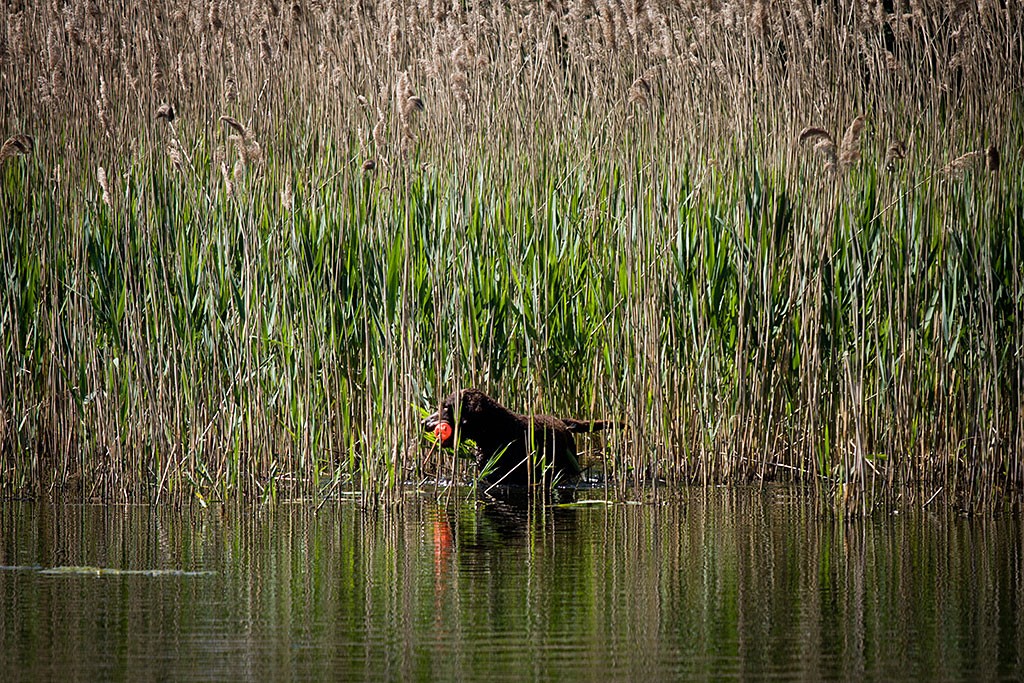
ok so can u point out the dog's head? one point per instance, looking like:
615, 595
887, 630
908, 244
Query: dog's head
457, 414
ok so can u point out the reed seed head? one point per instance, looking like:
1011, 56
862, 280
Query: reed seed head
287, 197
16, 145
896, 153
410, 103
166, 112
229, 187
378, 131
640, 91
214, 16
823, 143
964, 162
235, 125
415, 104
103, 106
813, 133
101, 178
849, 149
174, 152
230, 90
265, 51
992, 159
827, 149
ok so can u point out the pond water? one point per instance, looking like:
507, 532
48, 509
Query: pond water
705, 584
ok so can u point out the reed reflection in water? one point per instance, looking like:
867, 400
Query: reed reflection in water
719, 583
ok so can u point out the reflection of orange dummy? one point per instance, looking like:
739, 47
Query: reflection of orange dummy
442, 542
442, 551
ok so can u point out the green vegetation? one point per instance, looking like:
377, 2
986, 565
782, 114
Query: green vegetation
781, 240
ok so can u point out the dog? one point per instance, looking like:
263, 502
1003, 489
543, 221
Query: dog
511, 449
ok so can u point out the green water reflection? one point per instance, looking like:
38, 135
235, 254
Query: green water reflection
707, 585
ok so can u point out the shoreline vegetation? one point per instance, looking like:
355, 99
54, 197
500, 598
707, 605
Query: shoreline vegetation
241, 243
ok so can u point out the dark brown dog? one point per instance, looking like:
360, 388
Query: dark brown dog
518, 441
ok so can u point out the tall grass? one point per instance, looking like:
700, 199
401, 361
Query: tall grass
781, 240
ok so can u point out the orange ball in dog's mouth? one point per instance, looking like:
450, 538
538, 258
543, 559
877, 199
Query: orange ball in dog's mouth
443, 431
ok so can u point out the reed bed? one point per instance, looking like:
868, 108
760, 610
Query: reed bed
242, 242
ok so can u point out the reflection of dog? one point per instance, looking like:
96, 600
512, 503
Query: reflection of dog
516, 440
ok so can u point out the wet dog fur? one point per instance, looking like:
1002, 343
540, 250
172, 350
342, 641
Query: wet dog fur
509, 443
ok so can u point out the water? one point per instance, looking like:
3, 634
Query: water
709, 585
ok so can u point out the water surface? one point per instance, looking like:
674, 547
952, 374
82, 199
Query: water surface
702, 585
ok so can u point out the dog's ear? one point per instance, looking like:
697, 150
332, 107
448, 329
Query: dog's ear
469, 405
